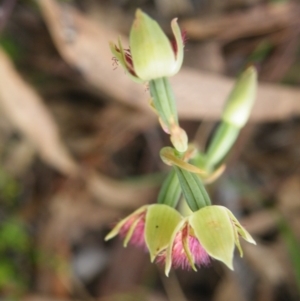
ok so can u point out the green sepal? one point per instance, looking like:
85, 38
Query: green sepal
187, 251
240, 231
214, 230
161, 221
193, 189
115, 231
169, 250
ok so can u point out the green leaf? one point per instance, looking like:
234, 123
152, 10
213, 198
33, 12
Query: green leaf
193, 189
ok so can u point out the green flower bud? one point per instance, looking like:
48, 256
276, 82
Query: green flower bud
150, 55
241, 99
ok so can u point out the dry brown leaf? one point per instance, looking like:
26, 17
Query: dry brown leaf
42, 298
84, 45
119, 194
289, 202
266, 260
203, 95
260, 222
26, 111
228, 289
288, 195
259, 20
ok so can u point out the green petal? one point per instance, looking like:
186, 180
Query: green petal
169, 250
178, 37
161, 220
120, 55
115, 231
130, 231
152, 54
186, 247
237, 241
214, 230
240, 229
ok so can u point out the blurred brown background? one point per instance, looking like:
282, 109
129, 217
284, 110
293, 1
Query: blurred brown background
79, 148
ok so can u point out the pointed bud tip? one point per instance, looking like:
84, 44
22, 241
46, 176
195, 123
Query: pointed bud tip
139, 14
241, 99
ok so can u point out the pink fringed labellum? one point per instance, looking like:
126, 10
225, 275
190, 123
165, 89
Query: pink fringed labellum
133, 231
149, 227
179, 256
184, 250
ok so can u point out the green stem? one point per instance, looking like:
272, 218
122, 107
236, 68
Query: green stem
170, 191
163, 99
223, 139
